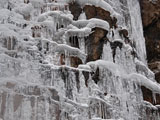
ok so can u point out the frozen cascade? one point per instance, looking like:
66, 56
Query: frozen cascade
56, 67
108, 56
137, 29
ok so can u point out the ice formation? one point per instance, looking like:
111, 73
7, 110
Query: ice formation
45, 73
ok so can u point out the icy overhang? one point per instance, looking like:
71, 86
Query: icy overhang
98, 3
92, 23
62, 48
118, 71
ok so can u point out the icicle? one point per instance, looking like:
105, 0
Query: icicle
10, 43
57, 26
67, 58
154, 97
116, 34
117, 55
81, 44
107, 52
52, 78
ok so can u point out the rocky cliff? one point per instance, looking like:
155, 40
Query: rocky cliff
78, 60
151, 25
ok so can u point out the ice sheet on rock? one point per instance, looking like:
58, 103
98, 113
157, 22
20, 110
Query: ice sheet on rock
17, 69
144, 70
37, 3
24, 9
144, 81
124, 59
7, 30
137, 29
118, 80
5, 13
114, 68
49, 25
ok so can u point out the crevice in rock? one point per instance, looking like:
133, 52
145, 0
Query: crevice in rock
86, 76
95, 76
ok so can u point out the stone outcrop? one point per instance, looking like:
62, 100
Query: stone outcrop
75, 9
155, 67
97, 12
149, 96
151, 23
95, 43
96, 40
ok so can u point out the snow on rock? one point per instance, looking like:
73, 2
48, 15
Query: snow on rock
142, 80
92, 23
98, 3
82, 16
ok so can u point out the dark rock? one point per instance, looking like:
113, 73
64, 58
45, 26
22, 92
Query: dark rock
148, 96
151, 23
95, 76
123, 33
75, 61
97, 12
155, 67
86, 76
77, 80
114, 46
157, 77
75, 9
95, 44
55, 95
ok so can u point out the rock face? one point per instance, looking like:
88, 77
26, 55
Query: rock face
97, 12
96, 40
150, 11
151, 25
152, 16
75, 60
95, 44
